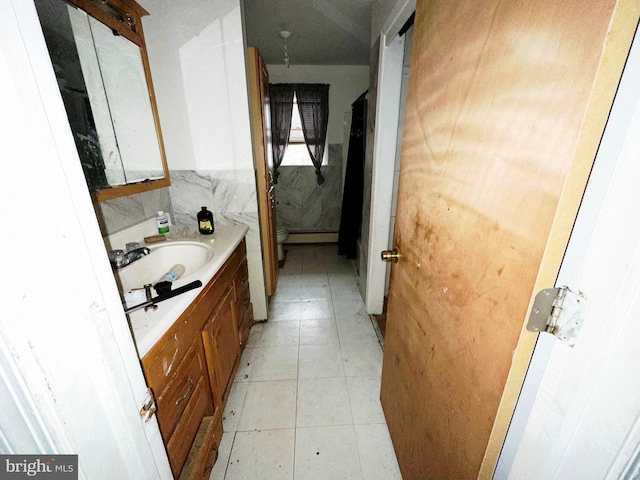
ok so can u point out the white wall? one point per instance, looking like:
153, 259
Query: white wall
347, 83
196, 51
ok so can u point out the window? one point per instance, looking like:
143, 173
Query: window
297, 153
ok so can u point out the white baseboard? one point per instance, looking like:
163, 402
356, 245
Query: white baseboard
327, 237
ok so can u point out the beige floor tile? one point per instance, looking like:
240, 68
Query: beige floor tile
314, 280
350, 277
377, 456
269, 405
327, 453
245, 366
320, 361
262, 455
255, 334
318, 332
346, 308
284, 311
356, 329
364, 396
323, 401
310, 309
287, 294
275, 363
233, 408
276, 334
362, 359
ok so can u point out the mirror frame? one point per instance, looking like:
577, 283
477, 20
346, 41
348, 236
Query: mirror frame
124, 16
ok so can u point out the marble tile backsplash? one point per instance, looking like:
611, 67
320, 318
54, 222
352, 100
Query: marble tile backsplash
221, 191
304, 206
231, 196
120, 213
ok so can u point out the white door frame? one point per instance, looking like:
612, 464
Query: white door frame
384, 150
67, 357
613, 140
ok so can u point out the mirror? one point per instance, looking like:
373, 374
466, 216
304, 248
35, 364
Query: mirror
98, 55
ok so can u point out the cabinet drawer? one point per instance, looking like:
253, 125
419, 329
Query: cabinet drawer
243, 304
173, 399
204, 451
241, 280
245, 326
185, 432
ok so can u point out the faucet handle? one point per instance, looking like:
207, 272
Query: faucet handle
116, 257
132, 246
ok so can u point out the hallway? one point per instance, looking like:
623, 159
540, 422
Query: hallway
304, 404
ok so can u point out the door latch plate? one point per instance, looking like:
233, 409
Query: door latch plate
148, 408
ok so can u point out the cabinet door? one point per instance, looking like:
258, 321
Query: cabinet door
221, 345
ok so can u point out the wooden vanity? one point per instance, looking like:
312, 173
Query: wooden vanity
191, 367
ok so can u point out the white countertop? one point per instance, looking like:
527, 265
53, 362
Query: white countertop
148, 327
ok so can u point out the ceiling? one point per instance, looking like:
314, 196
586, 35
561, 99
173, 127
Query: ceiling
325, 32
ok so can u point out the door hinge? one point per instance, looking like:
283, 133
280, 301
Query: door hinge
148, 408
560, 312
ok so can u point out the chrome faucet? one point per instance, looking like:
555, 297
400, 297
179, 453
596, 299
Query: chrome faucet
120, 259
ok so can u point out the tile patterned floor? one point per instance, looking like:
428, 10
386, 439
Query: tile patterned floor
304, 403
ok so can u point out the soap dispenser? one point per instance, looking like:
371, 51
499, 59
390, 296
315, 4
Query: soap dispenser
205, 221
162, 221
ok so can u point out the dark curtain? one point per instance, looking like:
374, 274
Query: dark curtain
351, 218
281, 105
313, 105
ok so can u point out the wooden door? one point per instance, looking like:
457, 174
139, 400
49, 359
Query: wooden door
507, 102
261, 128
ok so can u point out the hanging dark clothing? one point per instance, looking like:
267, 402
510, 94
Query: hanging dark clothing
351, 219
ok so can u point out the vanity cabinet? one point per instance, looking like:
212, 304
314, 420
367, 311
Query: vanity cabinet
191, 368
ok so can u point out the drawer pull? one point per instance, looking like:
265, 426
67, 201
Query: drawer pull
242, 282
187, 393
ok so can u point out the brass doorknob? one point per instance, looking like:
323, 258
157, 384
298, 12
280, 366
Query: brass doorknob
390, 255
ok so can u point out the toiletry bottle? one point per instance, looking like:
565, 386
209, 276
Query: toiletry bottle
163, 285
163, 222
173, 274
205, 221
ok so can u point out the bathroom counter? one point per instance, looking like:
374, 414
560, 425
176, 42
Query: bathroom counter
148, 327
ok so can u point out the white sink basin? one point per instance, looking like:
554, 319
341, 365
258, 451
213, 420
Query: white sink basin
148, 269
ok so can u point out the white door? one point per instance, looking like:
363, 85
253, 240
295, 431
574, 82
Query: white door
584, 421
68, 365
